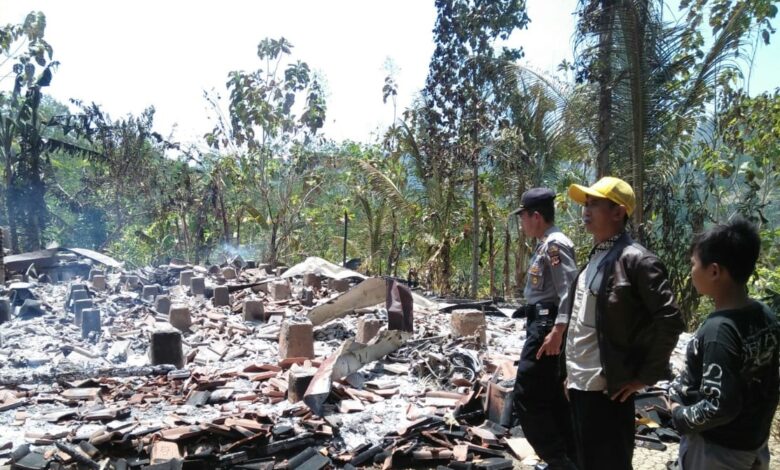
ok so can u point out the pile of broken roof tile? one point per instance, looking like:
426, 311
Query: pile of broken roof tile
244, 398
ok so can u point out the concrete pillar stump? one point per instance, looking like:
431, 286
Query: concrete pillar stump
296, 338
165, 348
253, 310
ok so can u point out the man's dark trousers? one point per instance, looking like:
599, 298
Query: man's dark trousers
539, 401
603, 430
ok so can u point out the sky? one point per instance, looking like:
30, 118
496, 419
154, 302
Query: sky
127, 56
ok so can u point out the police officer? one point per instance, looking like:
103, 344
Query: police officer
539, 401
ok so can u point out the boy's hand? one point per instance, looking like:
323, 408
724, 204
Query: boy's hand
670, 405
627, 390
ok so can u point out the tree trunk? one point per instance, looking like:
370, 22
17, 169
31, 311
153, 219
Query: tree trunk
225, 223
604, 77
445, 268
507, 243
491, 262
520, 264
634, 32
11, 207
392, 258
475, 254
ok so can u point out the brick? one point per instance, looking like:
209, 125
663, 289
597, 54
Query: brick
221, 296
162, 304
468, 323
198, 285
149, 292
179, 317
253, 310
296, 339
367, 327
185, 277
165, 348
279, 290
95, 272
99, 282
229, 273
312, 280
78, 308
90, 321
339, 285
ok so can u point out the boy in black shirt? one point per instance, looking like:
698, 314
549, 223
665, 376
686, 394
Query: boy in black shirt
725, 399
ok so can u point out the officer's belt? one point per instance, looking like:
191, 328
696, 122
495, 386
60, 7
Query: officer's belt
541, 310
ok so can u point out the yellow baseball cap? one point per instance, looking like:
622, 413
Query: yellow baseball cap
608, 187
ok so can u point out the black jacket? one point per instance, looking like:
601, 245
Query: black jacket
637, 319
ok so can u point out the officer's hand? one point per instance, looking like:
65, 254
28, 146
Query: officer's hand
627, 390
551, 346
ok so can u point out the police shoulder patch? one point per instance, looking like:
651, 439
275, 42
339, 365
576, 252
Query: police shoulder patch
554, 253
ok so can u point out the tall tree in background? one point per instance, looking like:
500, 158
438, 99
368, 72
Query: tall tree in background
21, 140
274, 115
461, 92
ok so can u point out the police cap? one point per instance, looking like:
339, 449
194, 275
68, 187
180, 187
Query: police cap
534, 199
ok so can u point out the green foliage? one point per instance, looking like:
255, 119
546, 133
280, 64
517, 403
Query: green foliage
663, 102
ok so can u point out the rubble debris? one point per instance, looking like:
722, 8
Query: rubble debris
219, 393
339, 285
469, 323
349, 358
322, 268
368, 293
498, 405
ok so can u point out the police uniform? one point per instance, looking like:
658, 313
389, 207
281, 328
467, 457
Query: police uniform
540, 404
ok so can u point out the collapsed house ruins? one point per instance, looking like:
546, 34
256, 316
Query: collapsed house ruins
254, 367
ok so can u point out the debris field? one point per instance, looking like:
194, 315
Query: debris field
259, 367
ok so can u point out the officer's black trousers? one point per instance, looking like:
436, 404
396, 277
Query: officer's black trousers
540, 404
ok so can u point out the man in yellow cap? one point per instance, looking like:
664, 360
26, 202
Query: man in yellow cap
623, 326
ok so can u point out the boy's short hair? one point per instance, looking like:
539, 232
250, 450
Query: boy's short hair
734, 246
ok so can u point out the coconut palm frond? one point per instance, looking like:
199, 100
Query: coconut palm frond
385, 187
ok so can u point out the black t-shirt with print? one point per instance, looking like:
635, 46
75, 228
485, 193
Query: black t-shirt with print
730, 387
